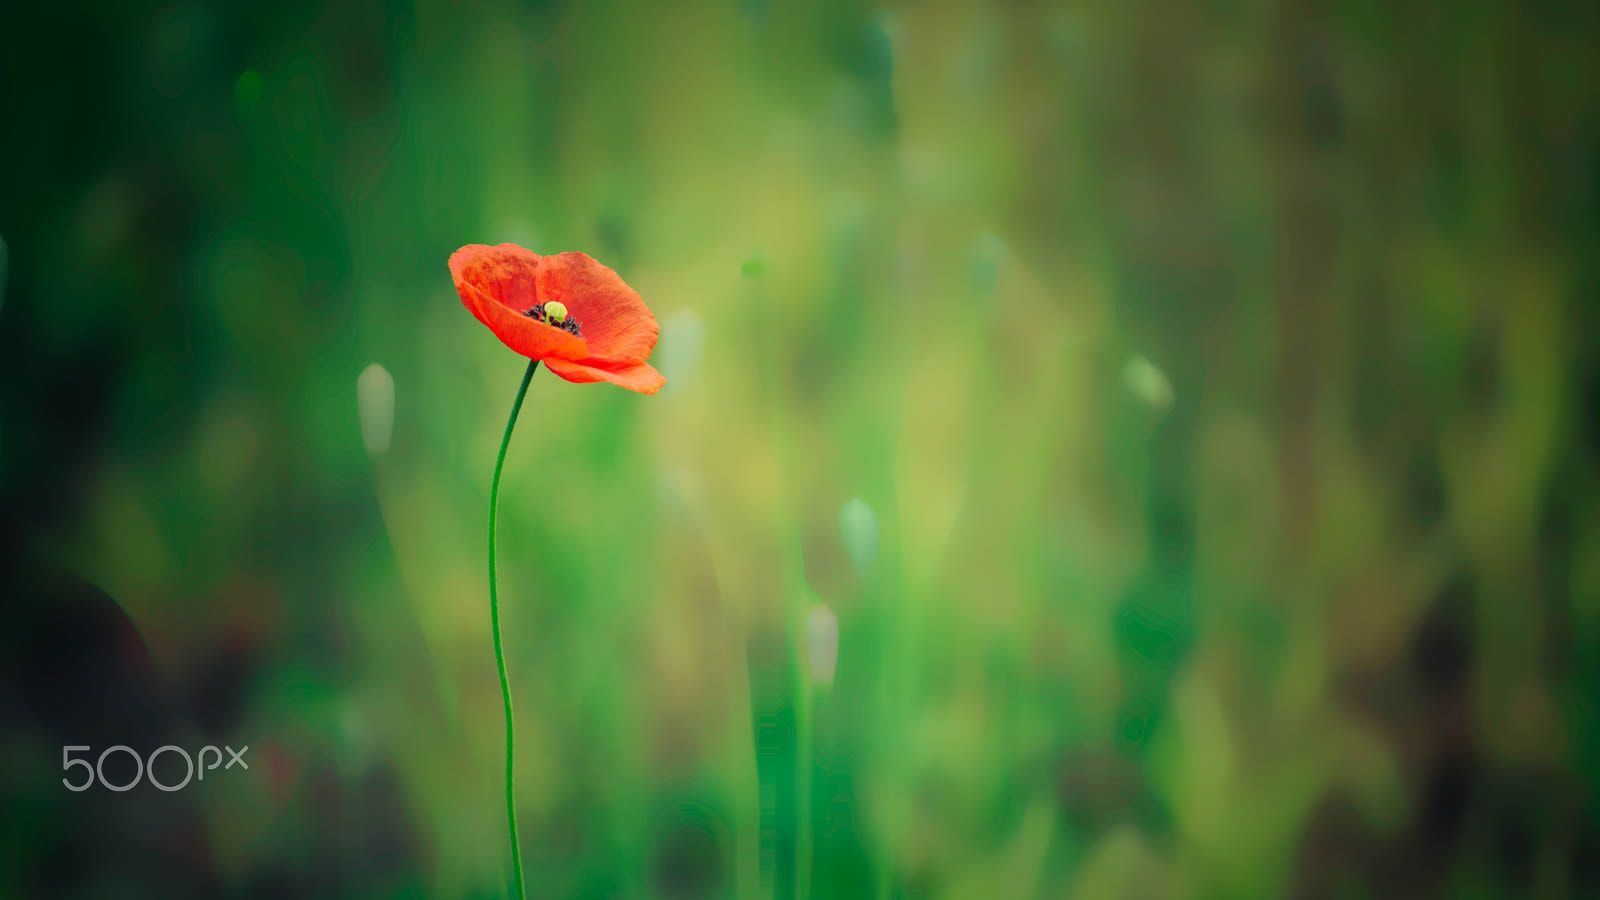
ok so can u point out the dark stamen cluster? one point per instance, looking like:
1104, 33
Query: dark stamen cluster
569, 324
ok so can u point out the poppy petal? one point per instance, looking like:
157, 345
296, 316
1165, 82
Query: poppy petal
505, 272
617, 324
639, 377
497, 284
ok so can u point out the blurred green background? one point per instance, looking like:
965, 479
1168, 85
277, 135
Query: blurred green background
1109, 450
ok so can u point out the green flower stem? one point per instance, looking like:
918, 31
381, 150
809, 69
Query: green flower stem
494, 617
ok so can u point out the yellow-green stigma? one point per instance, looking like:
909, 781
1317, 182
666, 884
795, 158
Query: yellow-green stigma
554, 313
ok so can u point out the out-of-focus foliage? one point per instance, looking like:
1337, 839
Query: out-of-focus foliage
1109, 450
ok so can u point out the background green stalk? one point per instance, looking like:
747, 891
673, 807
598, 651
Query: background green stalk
494, 618
805, 752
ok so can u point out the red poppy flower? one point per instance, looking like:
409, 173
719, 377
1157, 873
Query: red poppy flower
575, 315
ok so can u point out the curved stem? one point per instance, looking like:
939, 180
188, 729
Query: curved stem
494, 618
